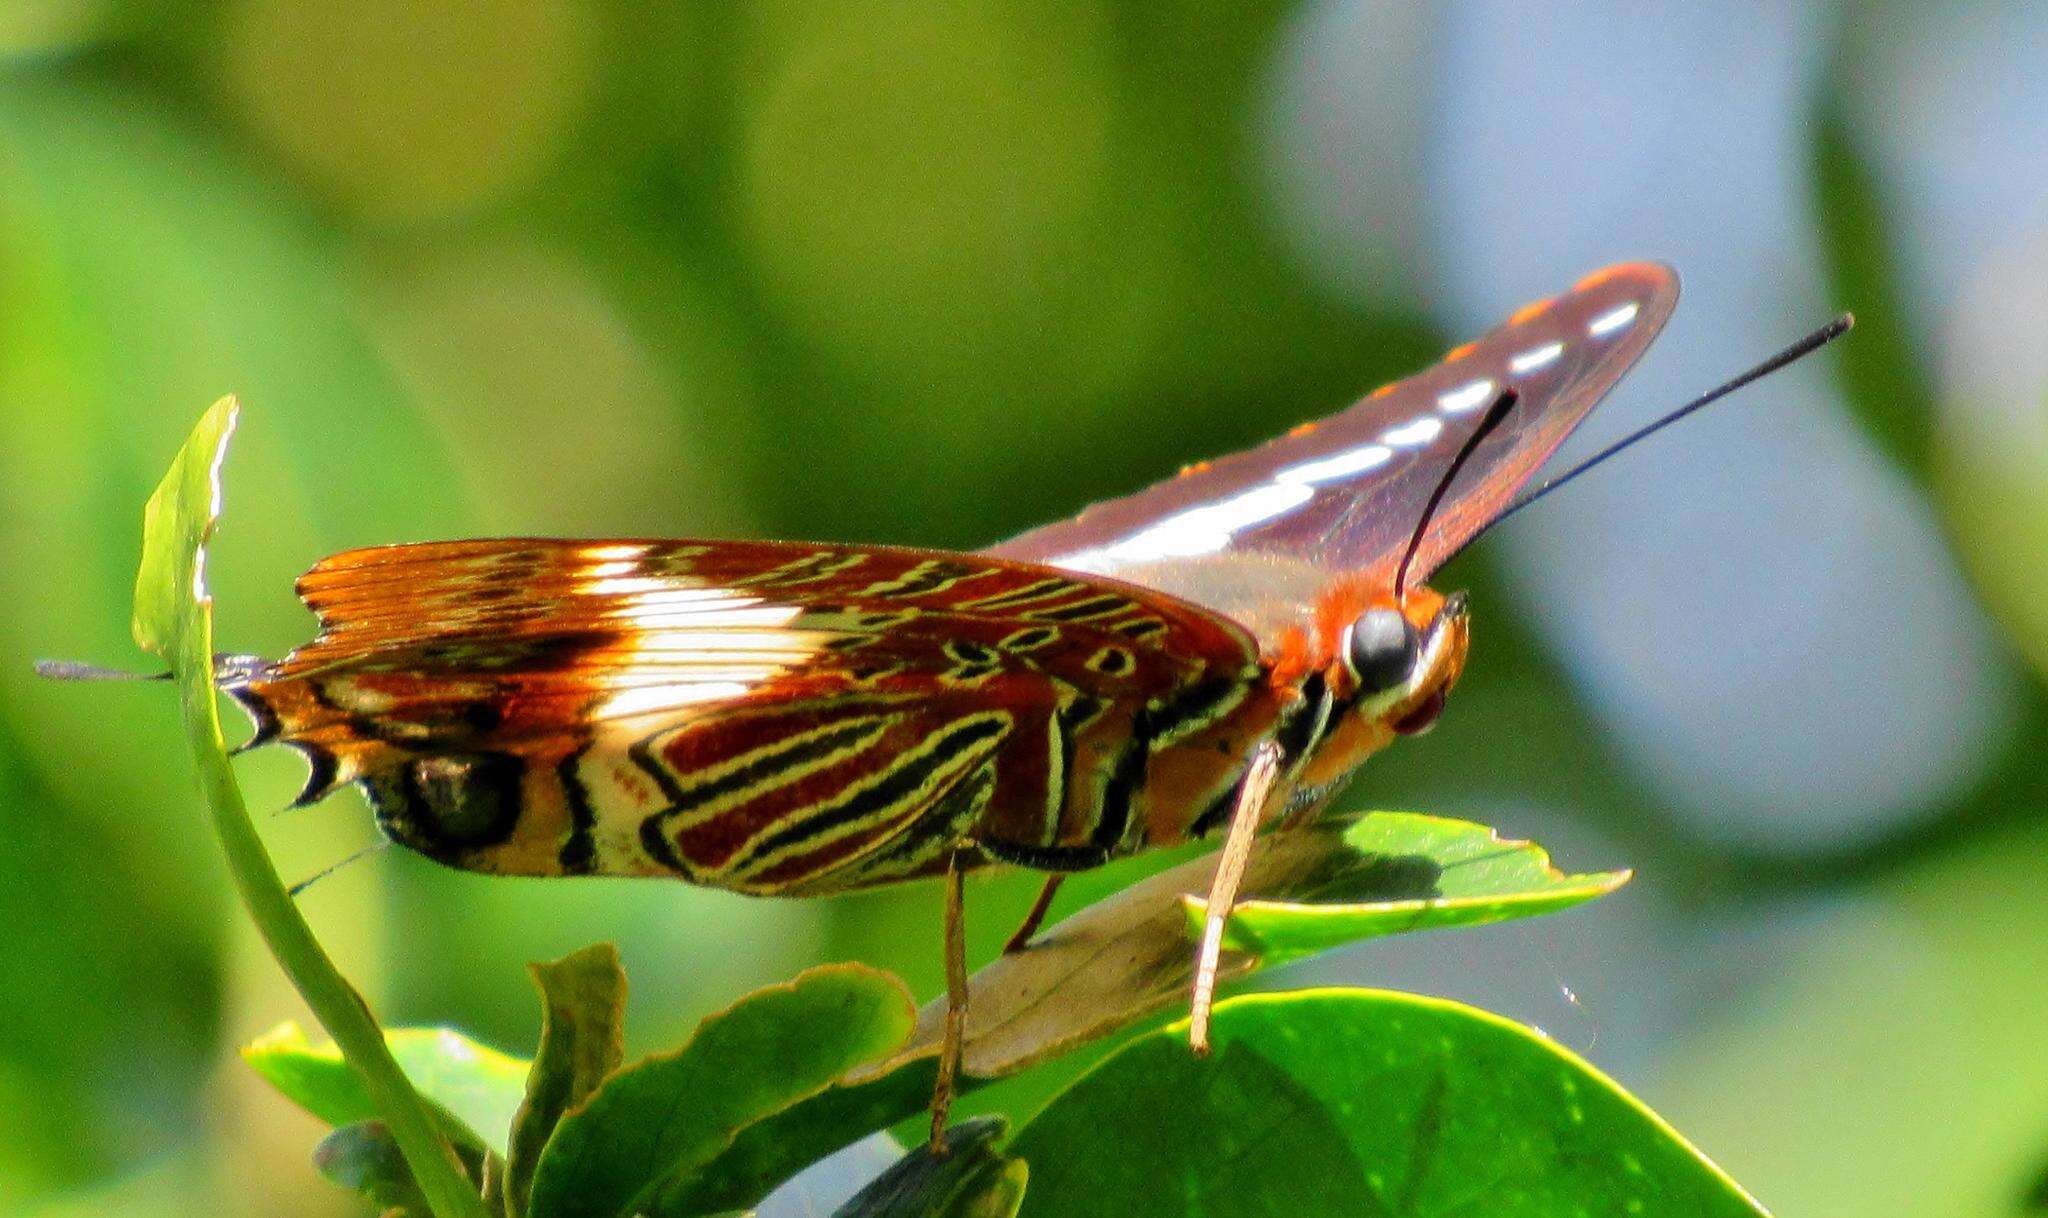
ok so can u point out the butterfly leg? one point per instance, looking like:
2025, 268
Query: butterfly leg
1021, 937
956, 1001
1237, 849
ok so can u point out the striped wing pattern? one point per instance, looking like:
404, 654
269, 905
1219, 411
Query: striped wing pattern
760, 716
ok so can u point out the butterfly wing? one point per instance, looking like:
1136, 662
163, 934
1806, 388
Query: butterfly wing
761, 716
1257, 534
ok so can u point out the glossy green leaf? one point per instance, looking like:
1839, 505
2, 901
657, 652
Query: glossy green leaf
666, 1116
582, 1039
773, 1149
970, 1179
1122, 958
476, 1088
1414, 873
1306, 890
1361, 1102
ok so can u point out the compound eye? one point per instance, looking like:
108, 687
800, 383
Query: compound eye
1383, 647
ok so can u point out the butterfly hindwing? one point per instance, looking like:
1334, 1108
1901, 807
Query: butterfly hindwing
756, 715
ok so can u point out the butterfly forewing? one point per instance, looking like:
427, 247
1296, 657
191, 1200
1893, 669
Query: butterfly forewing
1257, 534
770, 717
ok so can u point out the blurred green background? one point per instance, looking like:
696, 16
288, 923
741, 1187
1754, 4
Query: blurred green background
936, 273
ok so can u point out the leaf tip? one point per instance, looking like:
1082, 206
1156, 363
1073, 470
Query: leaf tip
286, 1037
176, 523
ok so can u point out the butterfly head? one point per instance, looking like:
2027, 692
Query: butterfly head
1399, 660
1389, 668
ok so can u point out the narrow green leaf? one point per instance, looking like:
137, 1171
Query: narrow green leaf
1307, 890
972, 1179
1881, 367
363, 1159
1360, 1102
475, 1087
1403, 872
665, 1116
174, 617
582, 1039
170, 582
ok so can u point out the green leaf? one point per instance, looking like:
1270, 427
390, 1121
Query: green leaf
1361, 1102
1416, 873
1307, 890
1881, 367
582, 1039
773, 1149
152, 265
1881, 373
666, 1116
972, 1179
176, 524
474, 1088
1122, 958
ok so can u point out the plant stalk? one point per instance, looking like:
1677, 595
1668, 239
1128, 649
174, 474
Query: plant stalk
334, 1002
174, 619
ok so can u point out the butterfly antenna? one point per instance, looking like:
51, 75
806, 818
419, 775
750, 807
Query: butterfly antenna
72, 670
331, 868
1492, 419
1797, 351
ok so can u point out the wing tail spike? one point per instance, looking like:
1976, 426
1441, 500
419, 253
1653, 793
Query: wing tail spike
323, 775
267, 727
237, 676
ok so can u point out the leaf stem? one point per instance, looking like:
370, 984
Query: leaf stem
334, 1002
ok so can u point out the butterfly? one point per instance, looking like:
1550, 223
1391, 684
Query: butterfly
1215, 653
